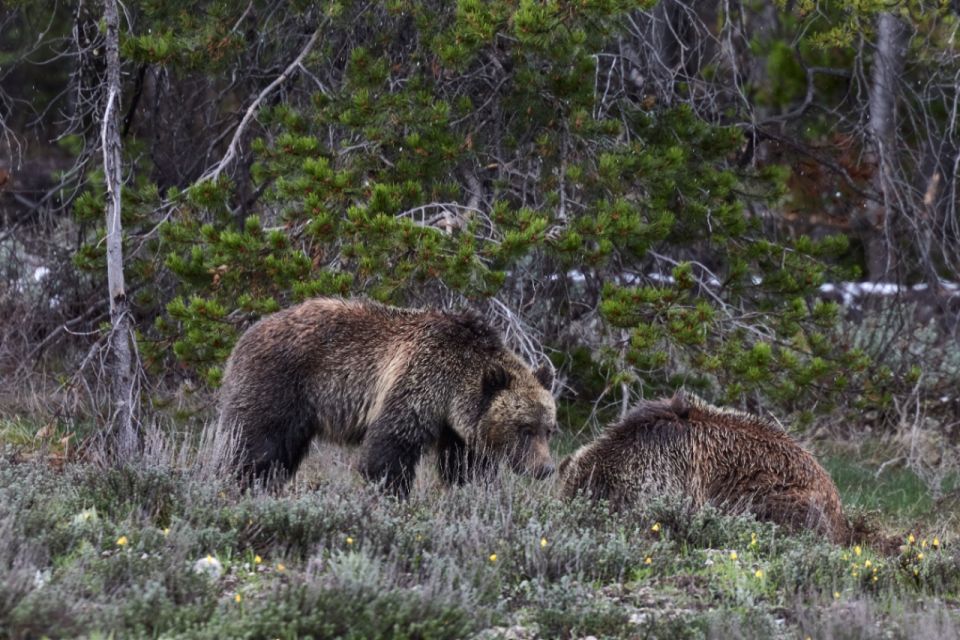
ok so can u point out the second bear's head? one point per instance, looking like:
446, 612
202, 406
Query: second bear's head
519, 416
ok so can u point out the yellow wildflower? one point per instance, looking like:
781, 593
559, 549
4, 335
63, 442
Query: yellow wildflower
543, 543
875, 578
916, 571
280, 567
493, 557
733, 555
237, 598
257, 559
349, 540
836, 595
753, 539
920, 556
857, 550
166, 531
648, 560
656, 527
923, 543
866, 564
936, 542
122, 541
758, 573
911, 539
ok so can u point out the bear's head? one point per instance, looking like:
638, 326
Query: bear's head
519, 417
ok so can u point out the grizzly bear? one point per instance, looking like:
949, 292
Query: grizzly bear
730, 459
396, 381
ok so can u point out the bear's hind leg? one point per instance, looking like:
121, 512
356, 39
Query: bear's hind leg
273, 452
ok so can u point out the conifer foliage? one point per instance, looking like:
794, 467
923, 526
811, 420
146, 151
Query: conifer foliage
462, 153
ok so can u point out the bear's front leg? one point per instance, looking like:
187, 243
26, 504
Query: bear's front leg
392, 450
457, 463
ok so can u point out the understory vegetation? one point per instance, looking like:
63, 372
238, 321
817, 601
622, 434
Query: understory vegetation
162, 548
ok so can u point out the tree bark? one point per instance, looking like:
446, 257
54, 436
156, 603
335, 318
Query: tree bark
880, 247
122, 433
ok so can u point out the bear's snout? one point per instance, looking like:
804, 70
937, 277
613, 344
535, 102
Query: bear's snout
538, 462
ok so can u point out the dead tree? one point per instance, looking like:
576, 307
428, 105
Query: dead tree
887, 66
121, 431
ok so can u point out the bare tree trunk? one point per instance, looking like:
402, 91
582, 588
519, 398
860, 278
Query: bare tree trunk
888, 63
121, 431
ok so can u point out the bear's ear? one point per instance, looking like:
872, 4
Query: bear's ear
495, 379
544, 375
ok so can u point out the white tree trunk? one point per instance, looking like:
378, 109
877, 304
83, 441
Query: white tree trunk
121, 429
887, 67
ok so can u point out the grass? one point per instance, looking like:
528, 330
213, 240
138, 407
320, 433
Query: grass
893, 491
898, 493
163, 549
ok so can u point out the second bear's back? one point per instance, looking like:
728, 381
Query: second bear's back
725, 457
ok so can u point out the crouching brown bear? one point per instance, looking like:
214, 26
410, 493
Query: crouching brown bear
733, 460
396, 381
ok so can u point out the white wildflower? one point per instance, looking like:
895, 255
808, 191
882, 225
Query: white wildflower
208, 566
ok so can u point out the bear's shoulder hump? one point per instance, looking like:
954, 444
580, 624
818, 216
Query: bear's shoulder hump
473, 327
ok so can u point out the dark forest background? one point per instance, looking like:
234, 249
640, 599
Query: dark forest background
757, 201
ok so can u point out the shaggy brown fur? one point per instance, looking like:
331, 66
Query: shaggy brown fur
733, 460
399, 381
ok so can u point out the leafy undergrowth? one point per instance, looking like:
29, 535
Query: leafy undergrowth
164, 550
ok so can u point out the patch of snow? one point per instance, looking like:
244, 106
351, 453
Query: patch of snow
880, 288
40, 273
857, 289
661, 277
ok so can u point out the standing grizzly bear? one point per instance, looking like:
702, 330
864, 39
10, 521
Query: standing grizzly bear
727, 458
399, 381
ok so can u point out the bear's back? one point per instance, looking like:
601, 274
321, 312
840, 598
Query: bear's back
347, 358
750, 463
730, 458
361, 329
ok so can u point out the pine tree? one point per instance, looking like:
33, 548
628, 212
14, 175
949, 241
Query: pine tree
474, 151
